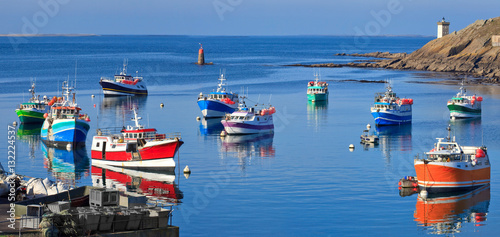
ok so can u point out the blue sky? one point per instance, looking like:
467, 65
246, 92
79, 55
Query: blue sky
240, 17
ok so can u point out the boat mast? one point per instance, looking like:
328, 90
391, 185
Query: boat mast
124, 70
221, 83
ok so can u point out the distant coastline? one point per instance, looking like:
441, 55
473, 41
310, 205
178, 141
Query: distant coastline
46, 35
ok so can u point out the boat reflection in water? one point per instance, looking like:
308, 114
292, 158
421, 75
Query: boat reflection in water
248, 147
446, 213
66, 166
154, 185
30, 134
469, 129
394, 138
117, 109
211, 126
317, 113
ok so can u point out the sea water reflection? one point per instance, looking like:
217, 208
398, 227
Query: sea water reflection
394, 138
67, 166
317, 113
247, 148
115, 111
212, 126
30, 134
158, 186
447, 213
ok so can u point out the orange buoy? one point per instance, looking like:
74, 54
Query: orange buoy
45, 115
479, 98
480, 153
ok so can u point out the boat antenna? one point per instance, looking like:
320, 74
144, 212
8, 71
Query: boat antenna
270, 96
449, 133
76, 66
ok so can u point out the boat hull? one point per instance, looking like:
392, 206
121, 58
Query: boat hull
165, 164
451, 176
215, 109
158, 156
463, 111
240, 128
111, 88
64, 131
30, 116
391, 118
317, 97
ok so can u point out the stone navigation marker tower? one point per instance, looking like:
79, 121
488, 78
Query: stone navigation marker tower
443, 28
201, 56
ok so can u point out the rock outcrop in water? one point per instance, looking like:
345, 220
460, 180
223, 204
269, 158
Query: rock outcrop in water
467, 51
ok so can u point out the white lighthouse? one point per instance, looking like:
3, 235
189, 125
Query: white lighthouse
443, 28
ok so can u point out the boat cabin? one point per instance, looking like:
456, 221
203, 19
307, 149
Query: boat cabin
36, 106
317, 90
65, 112
139, 134
384, 106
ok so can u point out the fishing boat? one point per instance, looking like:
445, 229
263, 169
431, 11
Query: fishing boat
64, 125
317, 90
33, 110
249, 121
464, 106
449, 167
389, 109
217, 103
135, 147
123, 84
366, 137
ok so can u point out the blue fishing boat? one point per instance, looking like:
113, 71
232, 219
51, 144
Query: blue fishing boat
64, 124
389, 109
218, 103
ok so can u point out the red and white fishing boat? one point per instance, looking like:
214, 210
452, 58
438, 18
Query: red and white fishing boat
135, 147
449, 167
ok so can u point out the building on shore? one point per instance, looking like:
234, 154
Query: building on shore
443, 28
495, 40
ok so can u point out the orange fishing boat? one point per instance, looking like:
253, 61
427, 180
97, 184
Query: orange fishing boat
450, 167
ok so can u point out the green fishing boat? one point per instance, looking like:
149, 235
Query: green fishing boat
317, 90
464, 106
33, 110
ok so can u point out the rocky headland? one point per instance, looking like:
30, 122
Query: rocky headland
469, 51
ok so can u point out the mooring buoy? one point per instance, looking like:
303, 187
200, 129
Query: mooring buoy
423, 194
14, 123
161, 105
223, 133
198, 118
187, 170
93, 96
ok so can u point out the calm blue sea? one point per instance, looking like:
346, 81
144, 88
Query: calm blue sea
303, 181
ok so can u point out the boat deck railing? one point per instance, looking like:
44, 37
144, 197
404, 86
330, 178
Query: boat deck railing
430, 157
117, 131
109, 131
164, 136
